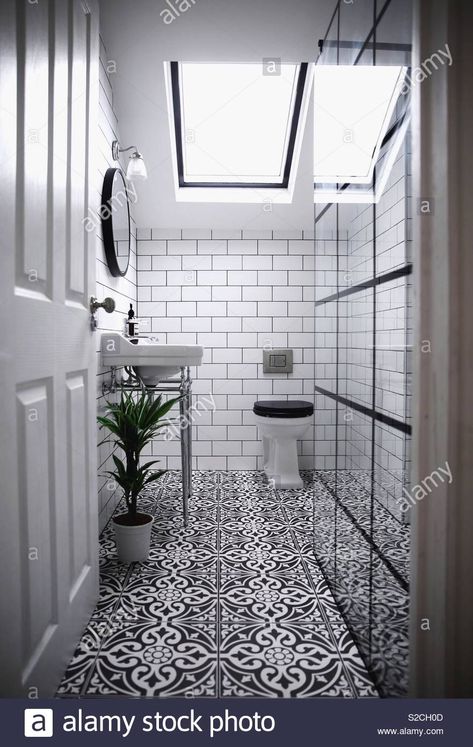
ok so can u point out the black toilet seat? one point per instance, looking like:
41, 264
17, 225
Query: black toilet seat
283, 409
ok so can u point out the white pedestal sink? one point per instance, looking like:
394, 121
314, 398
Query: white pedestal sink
152, 361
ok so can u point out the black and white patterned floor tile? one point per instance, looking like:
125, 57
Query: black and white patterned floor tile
235, 604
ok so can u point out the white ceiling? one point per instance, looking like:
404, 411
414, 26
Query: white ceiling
139, 41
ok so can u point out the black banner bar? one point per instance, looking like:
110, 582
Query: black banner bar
322, 721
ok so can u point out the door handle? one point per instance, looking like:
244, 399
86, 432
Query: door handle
108, 304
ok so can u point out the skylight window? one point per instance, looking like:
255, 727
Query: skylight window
235, 124
353, 107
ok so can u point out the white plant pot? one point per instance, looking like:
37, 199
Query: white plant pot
133, 542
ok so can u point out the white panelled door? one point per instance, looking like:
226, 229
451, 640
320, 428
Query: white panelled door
48, 518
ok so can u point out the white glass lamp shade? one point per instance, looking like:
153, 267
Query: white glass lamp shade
136, 168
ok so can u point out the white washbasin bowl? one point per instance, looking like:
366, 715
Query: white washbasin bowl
152, 361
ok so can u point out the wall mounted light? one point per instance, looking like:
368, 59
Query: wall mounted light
136, 168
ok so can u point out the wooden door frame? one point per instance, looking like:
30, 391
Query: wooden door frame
441, 625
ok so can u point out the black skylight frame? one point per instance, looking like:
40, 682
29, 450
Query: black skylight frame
176, 104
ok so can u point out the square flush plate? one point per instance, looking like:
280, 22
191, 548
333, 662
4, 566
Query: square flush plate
277, 361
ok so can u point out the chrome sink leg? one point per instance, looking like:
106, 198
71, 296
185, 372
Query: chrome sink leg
189, 437
186, 425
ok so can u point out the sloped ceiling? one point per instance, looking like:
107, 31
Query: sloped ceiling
138, 41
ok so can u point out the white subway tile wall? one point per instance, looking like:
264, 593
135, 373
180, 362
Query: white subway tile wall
236, 293
122, 290
358, 226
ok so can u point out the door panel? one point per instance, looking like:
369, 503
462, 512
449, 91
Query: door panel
59, 152
77, 170
48, 532
37, 573
34, 126
79, 545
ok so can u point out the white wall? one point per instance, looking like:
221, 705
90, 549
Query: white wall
357, 231
234, 292
389, 227
122, 290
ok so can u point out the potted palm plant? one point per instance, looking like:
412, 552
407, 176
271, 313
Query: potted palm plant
134, 422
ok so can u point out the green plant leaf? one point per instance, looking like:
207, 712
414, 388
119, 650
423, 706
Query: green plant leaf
134, 422
154, 476
148, 464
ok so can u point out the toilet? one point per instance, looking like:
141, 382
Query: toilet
281, 424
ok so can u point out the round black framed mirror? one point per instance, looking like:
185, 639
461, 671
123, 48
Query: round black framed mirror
115, 216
